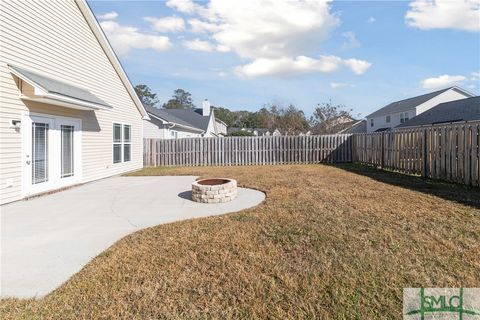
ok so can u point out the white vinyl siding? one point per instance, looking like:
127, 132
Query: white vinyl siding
73, 55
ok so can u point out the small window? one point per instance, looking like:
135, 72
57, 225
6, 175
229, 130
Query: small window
122, 146
127, 142
174, 134
403, 117
117, 132
387, 119
371, 122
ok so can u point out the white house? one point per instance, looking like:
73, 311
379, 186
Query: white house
68, 113
183, 123
399, 112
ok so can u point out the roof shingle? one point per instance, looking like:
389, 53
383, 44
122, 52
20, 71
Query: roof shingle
406, 104
454, 111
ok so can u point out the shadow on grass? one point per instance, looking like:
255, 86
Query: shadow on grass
450, 191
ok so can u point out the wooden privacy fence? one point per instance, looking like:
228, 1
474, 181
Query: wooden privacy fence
233, 151
448, 152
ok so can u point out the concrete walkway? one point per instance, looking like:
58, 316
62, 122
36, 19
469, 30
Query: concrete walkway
45, 240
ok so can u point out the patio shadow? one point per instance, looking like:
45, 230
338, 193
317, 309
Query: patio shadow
187, 195
450, 191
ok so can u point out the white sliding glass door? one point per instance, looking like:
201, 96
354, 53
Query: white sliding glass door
52, 151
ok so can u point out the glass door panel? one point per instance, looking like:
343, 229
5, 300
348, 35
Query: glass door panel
40, 152
67, 150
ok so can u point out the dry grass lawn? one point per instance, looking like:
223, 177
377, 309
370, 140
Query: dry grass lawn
329, 242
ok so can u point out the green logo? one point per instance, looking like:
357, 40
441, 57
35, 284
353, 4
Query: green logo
444, 303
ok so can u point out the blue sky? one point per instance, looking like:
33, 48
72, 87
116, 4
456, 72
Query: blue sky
242, 55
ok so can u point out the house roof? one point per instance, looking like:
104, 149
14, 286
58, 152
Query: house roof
351, 125
454, 111
56, 89
107, 48
191, 116
410, 103
163, 114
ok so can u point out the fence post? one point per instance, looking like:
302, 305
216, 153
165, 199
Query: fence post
382, 144
424, 154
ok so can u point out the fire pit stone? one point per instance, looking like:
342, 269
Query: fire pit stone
215, 190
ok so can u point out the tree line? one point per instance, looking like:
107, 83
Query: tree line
289, 120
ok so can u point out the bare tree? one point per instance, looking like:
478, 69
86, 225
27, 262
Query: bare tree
329, 118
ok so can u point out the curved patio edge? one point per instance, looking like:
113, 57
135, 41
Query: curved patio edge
48, 239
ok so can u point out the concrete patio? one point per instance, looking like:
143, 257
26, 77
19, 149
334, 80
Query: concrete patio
45, 240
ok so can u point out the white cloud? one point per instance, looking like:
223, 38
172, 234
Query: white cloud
292, 66
222, 48
166, 24
274, 37
444, 14
475, 76
271, 29
199, 26
126, 38
184, 6
359, 67
371, 20
198, 45
108, 16
337, 85
441, 81
351, 40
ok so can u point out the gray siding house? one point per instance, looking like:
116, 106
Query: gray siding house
401, 111
448, 112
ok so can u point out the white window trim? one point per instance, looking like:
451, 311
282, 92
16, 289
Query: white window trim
122, 142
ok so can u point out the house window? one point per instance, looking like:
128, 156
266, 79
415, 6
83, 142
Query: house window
122, 142
174, 134
403, 117
387, 119
371, 122
127, 142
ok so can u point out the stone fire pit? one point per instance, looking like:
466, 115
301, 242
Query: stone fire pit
216, 190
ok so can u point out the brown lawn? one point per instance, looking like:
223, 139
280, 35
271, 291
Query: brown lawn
328, 242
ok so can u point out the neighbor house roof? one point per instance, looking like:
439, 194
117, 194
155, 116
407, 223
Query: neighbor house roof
46, 87
348, 127
410, 103
454, 111
191, 116
166, 116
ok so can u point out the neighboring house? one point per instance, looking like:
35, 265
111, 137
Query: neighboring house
222, 128
68, 111
401, 111
260, 132
448, 112
355, 126
182, 123
340, 124
163, 125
